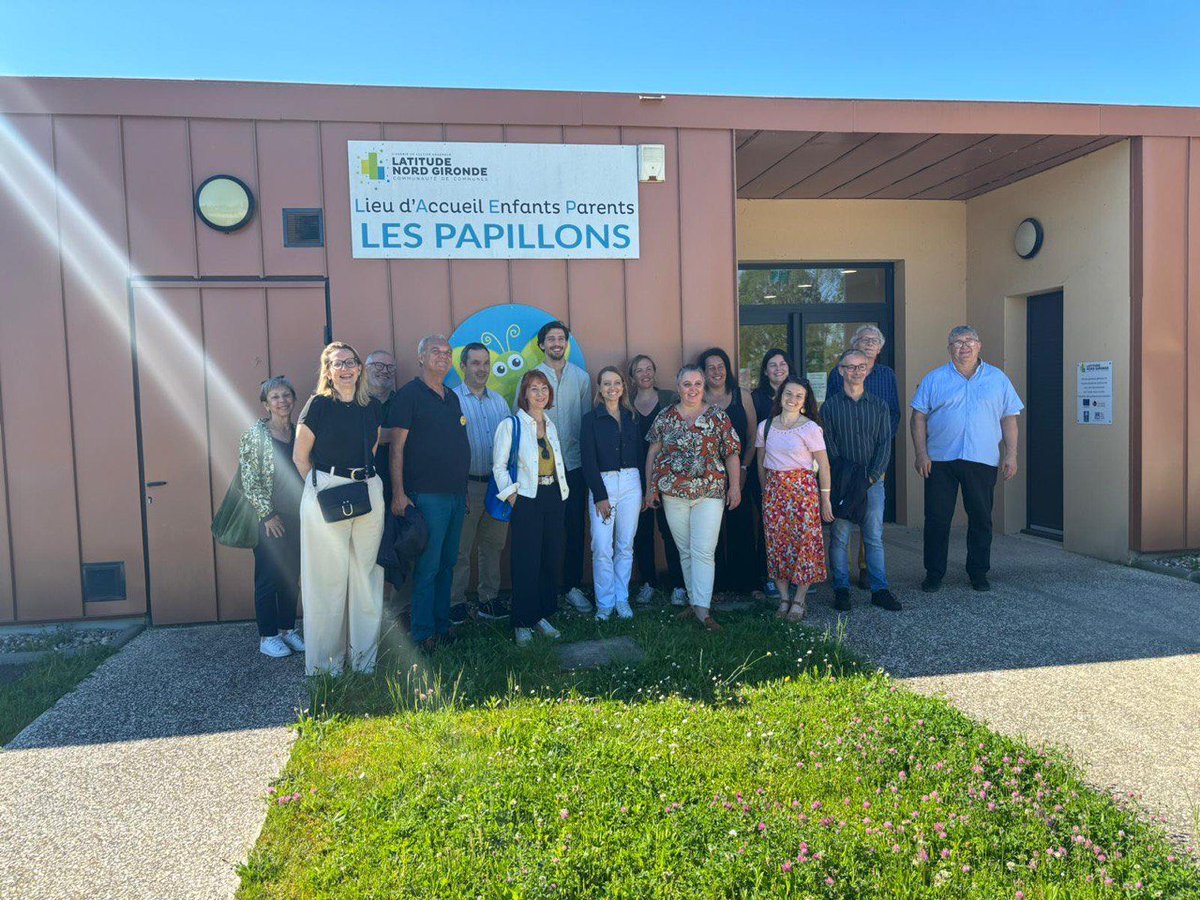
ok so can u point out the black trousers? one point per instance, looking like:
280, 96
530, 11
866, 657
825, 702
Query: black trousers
737, 551
643, 550
978, 483
277, 578
536, 531
576, 511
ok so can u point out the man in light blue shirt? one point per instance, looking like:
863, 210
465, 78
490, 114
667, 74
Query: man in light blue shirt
572, 398
481, 534
962, 411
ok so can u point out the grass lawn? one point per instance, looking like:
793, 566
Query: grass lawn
41, 685
763, 761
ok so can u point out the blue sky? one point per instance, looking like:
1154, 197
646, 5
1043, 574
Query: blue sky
1111, 52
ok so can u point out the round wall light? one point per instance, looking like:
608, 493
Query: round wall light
1027, 240
224, 203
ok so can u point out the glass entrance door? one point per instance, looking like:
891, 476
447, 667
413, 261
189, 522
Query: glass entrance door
811, 312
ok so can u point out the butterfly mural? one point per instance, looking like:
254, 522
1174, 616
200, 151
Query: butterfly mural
509, 331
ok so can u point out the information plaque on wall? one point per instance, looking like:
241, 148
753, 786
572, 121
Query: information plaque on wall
425, 200
1094, 393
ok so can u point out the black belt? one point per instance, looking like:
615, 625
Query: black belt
353, 474
481, 478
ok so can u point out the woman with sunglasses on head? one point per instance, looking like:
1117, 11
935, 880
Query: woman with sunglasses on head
794, 470
538, 496
271, 486
342, 585
772, 373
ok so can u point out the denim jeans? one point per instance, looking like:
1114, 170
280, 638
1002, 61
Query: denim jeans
434, 572
872, 531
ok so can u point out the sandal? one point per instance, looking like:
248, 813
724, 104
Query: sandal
797, 612
710, 623
782, 612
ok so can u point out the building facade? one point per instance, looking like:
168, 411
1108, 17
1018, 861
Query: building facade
134, 336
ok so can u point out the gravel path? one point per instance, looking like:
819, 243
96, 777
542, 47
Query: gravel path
148, 780
1100, 659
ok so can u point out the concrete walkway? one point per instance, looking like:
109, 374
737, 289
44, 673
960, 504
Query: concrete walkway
148, 780
1100, 659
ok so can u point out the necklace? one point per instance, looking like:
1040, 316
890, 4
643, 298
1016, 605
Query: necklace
788, 426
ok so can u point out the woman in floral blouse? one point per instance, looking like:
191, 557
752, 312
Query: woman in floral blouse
272, 486
693, 447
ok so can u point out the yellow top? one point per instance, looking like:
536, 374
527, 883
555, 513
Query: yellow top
545, 459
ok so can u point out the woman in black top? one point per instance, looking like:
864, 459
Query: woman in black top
336, 437
737, 550
271, 485
611, 452
774, 371
648, 401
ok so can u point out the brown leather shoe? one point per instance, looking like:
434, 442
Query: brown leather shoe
710, 623
428, 645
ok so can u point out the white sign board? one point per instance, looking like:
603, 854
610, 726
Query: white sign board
1094, 393
437, 200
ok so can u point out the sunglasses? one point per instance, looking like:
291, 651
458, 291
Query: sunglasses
545, 448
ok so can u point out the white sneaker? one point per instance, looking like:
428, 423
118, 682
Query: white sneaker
524, 637
623, 610
293, 640
679, 597
548, 630
646, 594
577, 599
273, 646
603, 616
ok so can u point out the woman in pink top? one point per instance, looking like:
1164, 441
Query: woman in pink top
791, 463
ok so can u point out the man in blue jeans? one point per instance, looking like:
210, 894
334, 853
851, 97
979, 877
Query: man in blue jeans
430, 460
858, 430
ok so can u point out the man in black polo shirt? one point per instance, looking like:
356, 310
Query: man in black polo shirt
430, 459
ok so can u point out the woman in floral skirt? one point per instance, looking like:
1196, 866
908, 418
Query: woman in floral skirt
793, 468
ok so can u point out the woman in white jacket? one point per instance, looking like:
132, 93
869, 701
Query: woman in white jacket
537, 524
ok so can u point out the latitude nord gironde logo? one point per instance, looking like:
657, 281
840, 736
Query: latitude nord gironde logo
372, 168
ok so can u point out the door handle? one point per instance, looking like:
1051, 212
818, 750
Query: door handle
151, 484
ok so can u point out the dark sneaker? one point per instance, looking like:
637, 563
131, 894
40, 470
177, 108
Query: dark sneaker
863, 581
931, 585
841, 599
885, 600
771, 590
493, 610
459, 614
980, 583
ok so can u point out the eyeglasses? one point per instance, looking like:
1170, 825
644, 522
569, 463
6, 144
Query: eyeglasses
859, 368
869, 341
381, 367
345, 364
968, 342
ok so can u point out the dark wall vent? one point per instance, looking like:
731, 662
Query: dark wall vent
303, 228
103, 581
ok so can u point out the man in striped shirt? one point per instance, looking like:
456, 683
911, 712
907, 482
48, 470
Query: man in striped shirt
858, 429
483, 410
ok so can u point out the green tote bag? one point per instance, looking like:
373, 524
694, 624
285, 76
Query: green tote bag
236, 522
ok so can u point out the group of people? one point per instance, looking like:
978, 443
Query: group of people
737, 483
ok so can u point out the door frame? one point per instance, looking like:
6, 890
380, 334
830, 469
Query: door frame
798, 315
131, 285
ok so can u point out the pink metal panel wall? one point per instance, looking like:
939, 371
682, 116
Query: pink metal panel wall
158, 196
34, 384
1165, 424
227, 148
289, 175
94, 237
